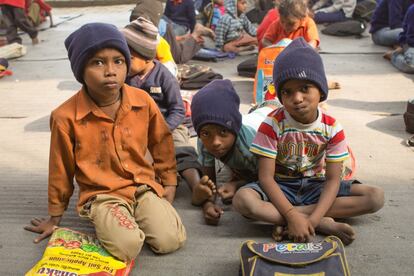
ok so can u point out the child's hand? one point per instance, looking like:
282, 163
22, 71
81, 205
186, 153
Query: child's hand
212, 213
300, 228
43, 227
227, 191
169, 193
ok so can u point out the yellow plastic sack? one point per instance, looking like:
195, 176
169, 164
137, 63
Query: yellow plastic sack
72, 253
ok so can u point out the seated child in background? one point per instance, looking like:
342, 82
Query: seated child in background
271, 16
100, 136
213, 12
300, 151
329, 11
403, 57
170, 52
182, 14
223, 136
386, 21
293, 22
234, 32
151, 76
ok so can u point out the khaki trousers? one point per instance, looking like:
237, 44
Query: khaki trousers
122, 228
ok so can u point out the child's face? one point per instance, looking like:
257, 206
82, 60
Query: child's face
289, 24
218, 140
301, 99
241, 6
104, 75
138, 64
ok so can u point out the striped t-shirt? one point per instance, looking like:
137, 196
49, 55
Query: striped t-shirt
300, 150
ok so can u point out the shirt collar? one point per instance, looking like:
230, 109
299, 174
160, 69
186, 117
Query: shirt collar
86, 105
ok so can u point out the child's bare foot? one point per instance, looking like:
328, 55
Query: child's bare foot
344, 231
387, 55
334, 85
278, 233
204, 190
35, 40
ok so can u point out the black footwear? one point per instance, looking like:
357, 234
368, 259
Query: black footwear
409, 117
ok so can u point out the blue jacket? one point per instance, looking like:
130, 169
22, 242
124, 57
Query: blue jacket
389, 13
231, 26
163, 87
407, 35
181, 14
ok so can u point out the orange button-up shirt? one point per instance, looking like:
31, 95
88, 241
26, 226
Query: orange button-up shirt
307, 29
108, 156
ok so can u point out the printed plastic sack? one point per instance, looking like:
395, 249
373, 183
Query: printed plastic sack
263, 81
72, 253
324, 258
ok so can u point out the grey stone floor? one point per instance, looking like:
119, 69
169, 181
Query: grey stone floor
370, 105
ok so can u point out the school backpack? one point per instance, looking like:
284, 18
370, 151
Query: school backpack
326, 257
345, 28
263, 82
195, 76
248, 67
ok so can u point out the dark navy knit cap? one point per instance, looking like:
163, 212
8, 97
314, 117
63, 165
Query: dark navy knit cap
301, 62
216, 103
89, 39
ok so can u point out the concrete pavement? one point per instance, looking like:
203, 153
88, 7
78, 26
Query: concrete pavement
369, 105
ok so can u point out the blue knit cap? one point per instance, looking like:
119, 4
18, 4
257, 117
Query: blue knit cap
90, 38
301, 62
216, 103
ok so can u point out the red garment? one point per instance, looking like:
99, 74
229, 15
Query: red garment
15, 3
271, 16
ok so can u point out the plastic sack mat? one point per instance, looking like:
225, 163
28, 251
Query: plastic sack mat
72, 253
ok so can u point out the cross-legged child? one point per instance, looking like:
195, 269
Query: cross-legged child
153, 77
403, 57
223, 136
234, 31
182, 14
293, 22
100, 137
300, 152
386, 21
329, 11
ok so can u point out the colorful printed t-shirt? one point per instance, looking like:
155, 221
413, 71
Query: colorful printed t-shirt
300, 150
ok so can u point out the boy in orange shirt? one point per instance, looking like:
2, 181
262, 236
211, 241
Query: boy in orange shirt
100, 137
294, 22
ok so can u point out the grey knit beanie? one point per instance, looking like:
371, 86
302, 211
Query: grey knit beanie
300, 61
217, 103
142, 37
89, 39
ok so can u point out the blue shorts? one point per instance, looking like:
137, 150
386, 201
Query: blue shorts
302, 191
